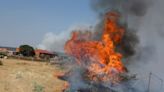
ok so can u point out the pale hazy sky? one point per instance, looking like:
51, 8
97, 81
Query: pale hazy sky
27, 21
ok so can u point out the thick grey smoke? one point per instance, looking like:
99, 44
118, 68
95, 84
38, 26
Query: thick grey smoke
134, 7
150, 57
145, 20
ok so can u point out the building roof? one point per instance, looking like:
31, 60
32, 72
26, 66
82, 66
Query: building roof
44, 51
9, 48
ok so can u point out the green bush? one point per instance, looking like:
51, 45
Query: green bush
38, 88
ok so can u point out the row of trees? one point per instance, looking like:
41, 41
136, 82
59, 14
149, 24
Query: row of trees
27, 50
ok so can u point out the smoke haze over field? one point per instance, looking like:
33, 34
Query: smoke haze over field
56, 42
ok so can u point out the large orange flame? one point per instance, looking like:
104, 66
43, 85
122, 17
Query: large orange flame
100, 57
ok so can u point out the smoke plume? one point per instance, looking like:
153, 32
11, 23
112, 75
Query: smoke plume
56, 42
149, 58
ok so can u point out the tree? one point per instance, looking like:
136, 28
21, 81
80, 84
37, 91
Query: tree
27, 50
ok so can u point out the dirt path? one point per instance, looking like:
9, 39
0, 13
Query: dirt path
28, 76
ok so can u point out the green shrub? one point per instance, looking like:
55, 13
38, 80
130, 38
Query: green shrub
38, 88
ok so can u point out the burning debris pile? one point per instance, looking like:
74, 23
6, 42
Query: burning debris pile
99, 58
98, 63
98, 54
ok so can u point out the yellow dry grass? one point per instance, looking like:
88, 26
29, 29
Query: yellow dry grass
29, 76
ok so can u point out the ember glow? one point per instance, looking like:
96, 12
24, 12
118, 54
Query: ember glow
99, 57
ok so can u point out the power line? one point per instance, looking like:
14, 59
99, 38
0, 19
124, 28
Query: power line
149, 82
150, 76
148, 89
161, 80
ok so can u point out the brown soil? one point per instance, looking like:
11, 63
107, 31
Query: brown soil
29, 76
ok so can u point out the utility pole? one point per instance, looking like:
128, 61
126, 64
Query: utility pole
148, 89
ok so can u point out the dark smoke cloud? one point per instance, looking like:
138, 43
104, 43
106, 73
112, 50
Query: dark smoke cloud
133, 7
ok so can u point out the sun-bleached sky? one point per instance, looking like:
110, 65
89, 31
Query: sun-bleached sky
27, 21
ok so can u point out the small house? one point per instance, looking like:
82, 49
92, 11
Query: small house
44, 54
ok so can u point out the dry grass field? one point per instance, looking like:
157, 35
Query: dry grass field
29, 76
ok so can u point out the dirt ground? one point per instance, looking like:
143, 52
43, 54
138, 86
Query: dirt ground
29, 76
